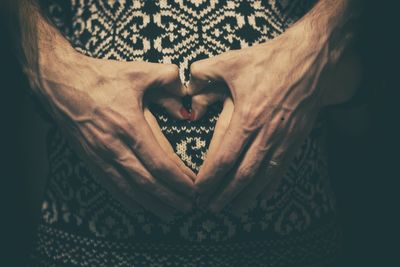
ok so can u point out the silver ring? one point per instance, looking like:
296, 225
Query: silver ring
273, 163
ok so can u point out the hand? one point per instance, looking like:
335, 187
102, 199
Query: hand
277, 90
99, 105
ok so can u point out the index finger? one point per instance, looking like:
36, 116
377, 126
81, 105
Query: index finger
145, 145
223, 156
137, 135
163, 141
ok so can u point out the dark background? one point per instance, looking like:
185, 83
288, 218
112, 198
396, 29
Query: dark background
363, 162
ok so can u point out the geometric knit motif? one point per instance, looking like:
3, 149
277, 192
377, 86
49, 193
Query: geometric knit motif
83, 225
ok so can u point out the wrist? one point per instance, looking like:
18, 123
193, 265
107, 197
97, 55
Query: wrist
55, 56
329, 27
41, 46
55, 53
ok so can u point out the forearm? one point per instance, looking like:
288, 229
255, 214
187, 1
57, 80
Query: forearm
37, 40
330, 30
331, 26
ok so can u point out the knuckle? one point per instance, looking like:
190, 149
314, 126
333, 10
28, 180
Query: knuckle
124, 126
230, 59
245, 173
145, 182
139, 176
200, 100
225, 161
171, 70
137, 72
126, 130
218, 62
167, 74
109, 140
160, 166
251, 119
196, 68
136, 143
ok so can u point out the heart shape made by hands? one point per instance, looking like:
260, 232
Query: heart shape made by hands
188, 125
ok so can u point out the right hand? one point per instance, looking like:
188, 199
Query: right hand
99, 105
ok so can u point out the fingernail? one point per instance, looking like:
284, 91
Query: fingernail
192, 115
185, 114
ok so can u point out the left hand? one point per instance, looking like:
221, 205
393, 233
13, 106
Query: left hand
277, 89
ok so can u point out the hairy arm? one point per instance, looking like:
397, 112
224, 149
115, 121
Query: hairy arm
100, 108
277, 89
344, 85
334, 26
34, 34
40, 46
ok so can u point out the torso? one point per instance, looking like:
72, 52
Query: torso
82, 222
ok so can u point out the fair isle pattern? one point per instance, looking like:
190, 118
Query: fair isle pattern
76, 207
166, 31
178, 32
69, 248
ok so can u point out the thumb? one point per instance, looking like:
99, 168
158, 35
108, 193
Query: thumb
213, 93
167, 90
165, 76
165, 145
171, 103
204, 71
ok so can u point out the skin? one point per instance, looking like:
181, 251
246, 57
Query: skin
101, 107
272, 92
277, 89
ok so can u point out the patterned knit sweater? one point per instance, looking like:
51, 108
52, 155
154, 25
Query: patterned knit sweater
83, 225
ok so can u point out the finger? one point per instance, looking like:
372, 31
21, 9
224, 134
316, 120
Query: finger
138, 136
247, 169
292, 146
203, 71
144, 180
167, 90
133, 170
171, 103
268, 180
115, 183
222, 161
141, 140
165, 77
270, 176
221, 127
130, 196
200, 103
219, 133
152, 121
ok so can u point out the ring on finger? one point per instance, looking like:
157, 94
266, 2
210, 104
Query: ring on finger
273, 163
